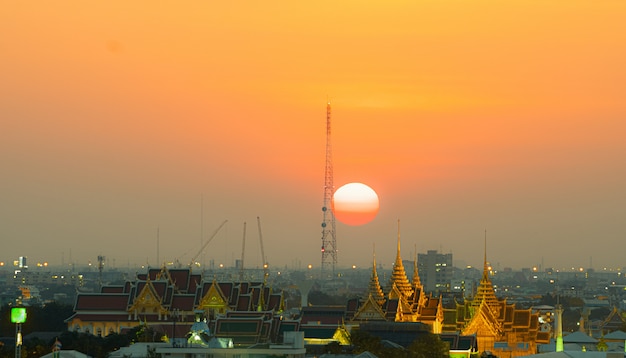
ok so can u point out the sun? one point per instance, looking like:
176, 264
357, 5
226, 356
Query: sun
355, 204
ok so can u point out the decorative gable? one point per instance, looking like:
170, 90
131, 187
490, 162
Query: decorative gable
214, 299
484, 323
342, 336
369, 311
147, 302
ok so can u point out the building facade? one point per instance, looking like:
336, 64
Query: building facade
435, 271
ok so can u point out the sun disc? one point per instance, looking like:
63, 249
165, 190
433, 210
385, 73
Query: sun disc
355, 204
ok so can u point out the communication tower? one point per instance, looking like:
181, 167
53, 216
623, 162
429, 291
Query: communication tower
100, 268
329, 239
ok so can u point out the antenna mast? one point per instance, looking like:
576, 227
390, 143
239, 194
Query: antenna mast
329, 240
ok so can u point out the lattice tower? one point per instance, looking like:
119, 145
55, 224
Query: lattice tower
329, 239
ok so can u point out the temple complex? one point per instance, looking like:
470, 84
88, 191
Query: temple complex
171, 301
500, 328
405, 300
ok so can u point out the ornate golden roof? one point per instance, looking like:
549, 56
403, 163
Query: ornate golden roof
398, 276
485, 292
417, 283
214, 298
375, 291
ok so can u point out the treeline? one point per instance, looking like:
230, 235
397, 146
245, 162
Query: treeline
94, 346
45, 318
425, 346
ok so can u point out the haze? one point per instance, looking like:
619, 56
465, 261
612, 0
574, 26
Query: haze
120, 119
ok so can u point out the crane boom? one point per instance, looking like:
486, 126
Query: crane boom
265, 264
243, 250
193, 260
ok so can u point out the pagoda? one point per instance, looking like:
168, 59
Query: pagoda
405, 301
500, 327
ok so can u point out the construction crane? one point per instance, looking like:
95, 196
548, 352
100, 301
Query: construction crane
265, 264
243, 250
193, 259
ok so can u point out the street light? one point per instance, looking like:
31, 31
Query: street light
18, 316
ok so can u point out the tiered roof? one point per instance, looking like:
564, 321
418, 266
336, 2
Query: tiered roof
405, 301
494, 321
374, 290
398, 276
160, 297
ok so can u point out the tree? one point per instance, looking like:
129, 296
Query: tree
115, 341
334, 348
429, 346
365, 342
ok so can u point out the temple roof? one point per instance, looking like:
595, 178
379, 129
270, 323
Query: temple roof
398, 276
374, 290
485, 291
579, 337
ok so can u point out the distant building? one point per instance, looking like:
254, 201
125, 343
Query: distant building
435, 271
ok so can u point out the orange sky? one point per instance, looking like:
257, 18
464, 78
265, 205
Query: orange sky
118, 117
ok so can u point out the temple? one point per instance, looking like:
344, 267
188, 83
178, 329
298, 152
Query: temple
477, 324
405, 300
500, 328
175, 302
171, 301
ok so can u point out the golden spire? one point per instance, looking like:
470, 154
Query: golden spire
398, 277
485, 265
417, 284
485, 290
374, 288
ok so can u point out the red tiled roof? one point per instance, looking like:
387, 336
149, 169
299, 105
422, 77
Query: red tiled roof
160, 287
183, 302
153, 273
273, 303
180, 278
227, 289
109, 302
233, 297
112, 289
521, 319
193, 283
244, 303
102, 317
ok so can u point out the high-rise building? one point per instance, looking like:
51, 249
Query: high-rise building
435, 271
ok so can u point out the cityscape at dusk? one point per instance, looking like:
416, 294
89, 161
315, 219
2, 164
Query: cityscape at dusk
132, 130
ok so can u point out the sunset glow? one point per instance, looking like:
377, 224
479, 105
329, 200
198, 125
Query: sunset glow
119, 117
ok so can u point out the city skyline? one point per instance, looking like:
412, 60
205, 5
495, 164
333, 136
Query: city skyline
119, 120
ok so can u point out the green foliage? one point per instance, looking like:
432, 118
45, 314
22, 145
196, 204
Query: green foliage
319, 298
426, 346
115, 341
83, 342
143, 333
599, 313
429, 346
365, 342
334, 348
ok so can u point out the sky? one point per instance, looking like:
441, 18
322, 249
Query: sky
133, 129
